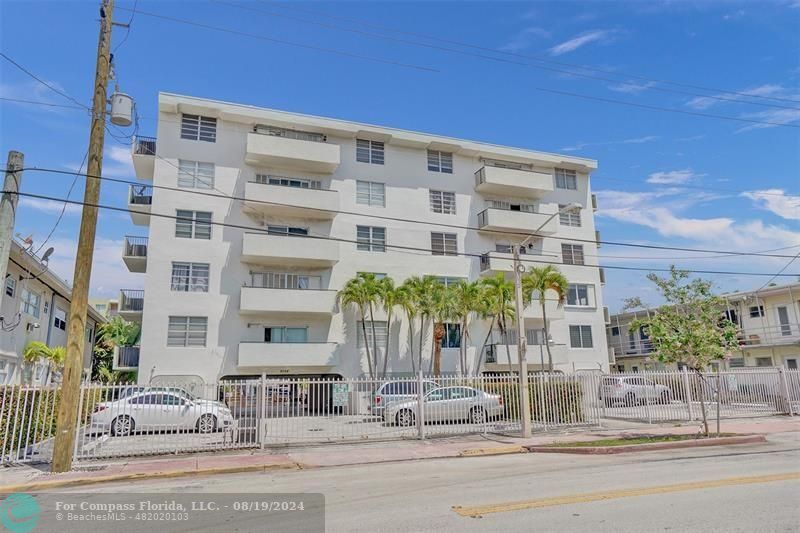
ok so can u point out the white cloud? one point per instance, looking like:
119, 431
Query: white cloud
673, 177
704, 102
776, 201
634, 140
632, 88
524, 39
580, 40
51, 207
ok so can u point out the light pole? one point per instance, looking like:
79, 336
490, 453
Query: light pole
524, 398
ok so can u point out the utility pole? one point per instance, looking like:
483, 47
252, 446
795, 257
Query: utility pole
522, 345
8, 207
76, 334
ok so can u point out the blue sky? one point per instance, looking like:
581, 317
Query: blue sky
663, 178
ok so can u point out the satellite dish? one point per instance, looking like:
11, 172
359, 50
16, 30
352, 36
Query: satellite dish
47, 254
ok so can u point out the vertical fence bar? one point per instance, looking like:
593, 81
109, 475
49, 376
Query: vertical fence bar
420, 407
787, 399
687, 390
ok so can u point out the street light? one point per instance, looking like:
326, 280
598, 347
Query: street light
524, 399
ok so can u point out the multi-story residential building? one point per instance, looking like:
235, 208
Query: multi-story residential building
35, 307
108, 307
237, 287
769, 331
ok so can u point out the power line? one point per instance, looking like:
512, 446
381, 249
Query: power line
127, 27
406, 220
35, 102
780, 272
282, 41
491, 58
257, 229
293, 6
37, 78
64, 207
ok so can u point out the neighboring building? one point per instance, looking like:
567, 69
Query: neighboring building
769, 331
35, 306
221, 301
107, 307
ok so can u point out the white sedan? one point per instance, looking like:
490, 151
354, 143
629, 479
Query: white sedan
160, 410
446, 404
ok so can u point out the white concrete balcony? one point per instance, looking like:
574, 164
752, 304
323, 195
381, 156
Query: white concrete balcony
535, 354
551, 307
255, 300
131, 304
134, 253
513, 182
494, 219
277, 357
140, 202
321, 204
143, 153
285, 250
295, 153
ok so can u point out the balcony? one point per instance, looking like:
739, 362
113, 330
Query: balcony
278, 357
287, 301
772, 335
134, 253
295, 150
513, 182
305, 202
131, 304
494, 262
126, 357
143, 152
494, 219
284, 250
140, 201
551, 306
535, 355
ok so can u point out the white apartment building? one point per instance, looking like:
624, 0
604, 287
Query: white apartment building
769, 331
35, 307
258, 294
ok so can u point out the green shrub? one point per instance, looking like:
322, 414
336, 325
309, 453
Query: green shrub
553, 401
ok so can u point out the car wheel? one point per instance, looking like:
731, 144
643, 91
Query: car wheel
665, 397
477, 415
630, 399
122, 426
207, 423
405, 418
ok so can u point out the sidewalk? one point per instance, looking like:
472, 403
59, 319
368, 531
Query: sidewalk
30, 478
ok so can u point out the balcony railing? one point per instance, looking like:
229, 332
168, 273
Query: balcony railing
287, 181
131, 300
141, 195
788, 333
291, 134
128, 357
135, 246
144, 145
280, 280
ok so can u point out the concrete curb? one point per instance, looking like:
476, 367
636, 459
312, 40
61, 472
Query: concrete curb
648, 447
499, 450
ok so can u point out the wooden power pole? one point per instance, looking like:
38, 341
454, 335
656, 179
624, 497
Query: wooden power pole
67, 421
8, 208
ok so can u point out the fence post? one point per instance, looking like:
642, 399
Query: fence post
785, 391
687, 389
646, 399
261, 405
420, 406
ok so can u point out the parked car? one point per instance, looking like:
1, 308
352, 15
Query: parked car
165, 409
446, 404
396, 391
632, 390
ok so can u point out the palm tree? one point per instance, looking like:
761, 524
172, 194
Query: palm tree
357, 293
404, 295
36, 351
372, 292
540, 280
443, 309
420, 291
467, 300
119, 332
499, 293
389, 298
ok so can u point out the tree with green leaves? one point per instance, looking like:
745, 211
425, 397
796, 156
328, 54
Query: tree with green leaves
691, 327
359, 292
467, 298
119, 332
39, 352
421, 291
389, 298
499, 301
404, 295
541, 281
443, 307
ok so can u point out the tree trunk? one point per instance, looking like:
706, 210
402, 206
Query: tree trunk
703, 401
421, 335
388, 332
504, 331
462, 347
374, 339
547, 336
411, 343
438, 335
366, 343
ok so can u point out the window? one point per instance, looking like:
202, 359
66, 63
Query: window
578, 295
31, 302
11, 286
371, 193
378, 275
566, 179
60, 319
512, 205
756, 311
193, 224
381, 333
737, 362
280, 334
187, 331
572, 254
569, 218
615, 331
443, 243
198, 128
452, 336
190, 277
580, 336
286, 230
371, 238
195, 175
443, 202
284, 280
440, 161
283, 181
507, 164
369, 151
448, 281
763, 361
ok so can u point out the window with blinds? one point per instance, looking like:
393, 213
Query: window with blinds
368, 151
187, 331
283, 181
285, 334
566, 179
580, 295
371, 239
569, 218
444, 243
440, 161
284, 280
287, 230
193, 224
443, 202
580, 337
512, 206
381, 333
370, 193
198, 128
195, 175
572, 254
190, 277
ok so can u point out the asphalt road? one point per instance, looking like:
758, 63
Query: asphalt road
750, 488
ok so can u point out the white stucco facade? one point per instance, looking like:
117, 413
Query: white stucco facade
238, 312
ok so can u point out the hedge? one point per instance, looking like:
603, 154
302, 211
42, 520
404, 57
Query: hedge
552, 401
